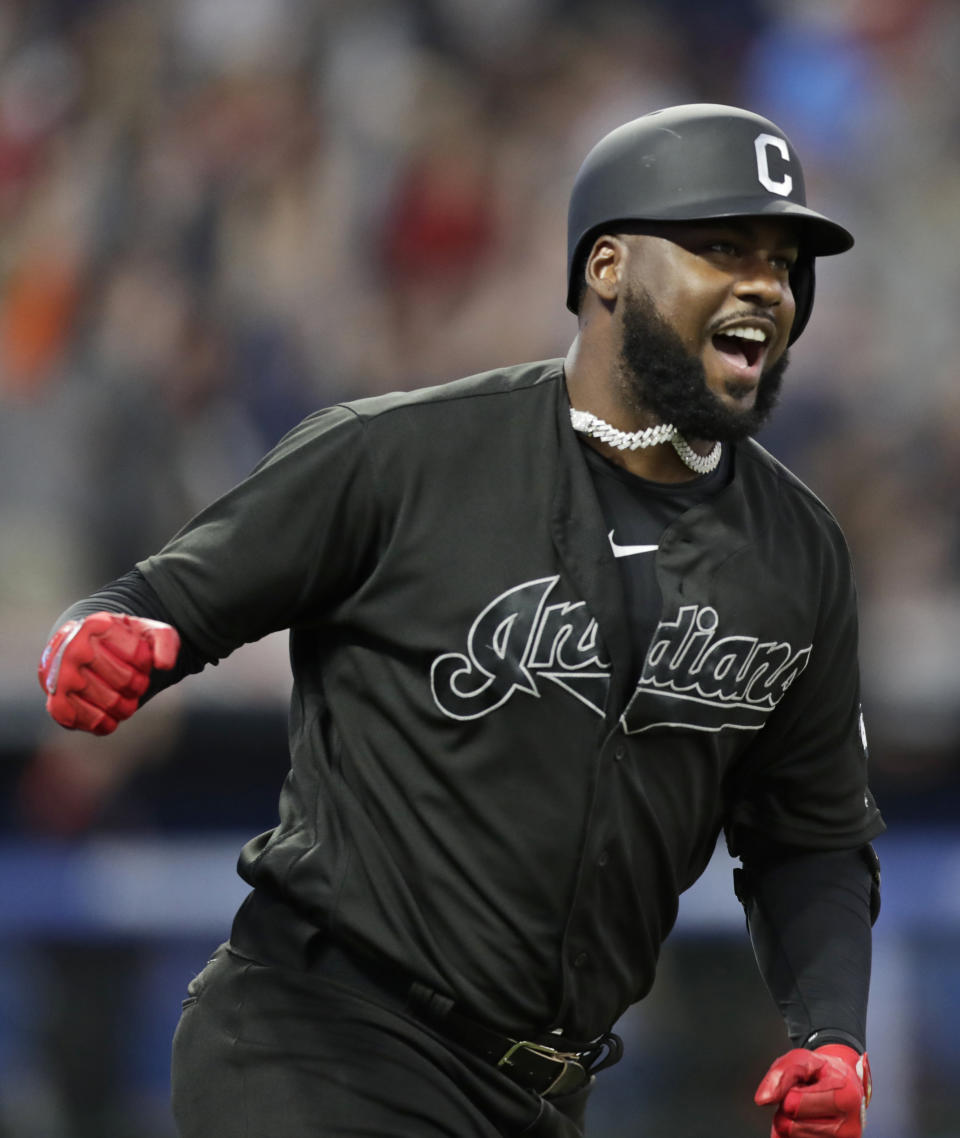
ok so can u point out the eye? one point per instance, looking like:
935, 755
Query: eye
724, 248
784, 261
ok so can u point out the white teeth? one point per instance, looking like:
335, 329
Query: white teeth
747, 333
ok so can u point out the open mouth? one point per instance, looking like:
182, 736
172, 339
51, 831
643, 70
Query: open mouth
743, 348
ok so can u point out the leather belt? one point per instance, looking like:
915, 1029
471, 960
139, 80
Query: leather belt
267, 928
533, 1064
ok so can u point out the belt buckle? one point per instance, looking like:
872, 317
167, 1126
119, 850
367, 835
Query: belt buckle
569, 1062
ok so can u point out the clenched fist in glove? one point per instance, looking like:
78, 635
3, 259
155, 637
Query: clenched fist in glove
95, 670
819, 1094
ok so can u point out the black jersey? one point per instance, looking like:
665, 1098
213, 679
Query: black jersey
482, 788
637, 512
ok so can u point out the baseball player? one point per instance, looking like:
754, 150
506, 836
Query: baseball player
553, 629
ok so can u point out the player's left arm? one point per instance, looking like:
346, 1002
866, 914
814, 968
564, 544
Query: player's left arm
810, 914
800, 815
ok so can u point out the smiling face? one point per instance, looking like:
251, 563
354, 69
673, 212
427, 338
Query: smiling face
705, 308
724, 287
657, 375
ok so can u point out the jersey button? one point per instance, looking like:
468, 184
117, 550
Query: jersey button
603, 858
580, 960
620, 753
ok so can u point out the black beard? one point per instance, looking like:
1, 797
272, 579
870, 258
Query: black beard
659, 375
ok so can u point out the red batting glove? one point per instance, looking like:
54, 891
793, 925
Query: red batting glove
819, 1094
95, 670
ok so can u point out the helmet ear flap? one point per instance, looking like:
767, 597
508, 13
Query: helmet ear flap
802, 284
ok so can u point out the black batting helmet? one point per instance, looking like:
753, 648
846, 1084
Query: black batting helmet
692, 162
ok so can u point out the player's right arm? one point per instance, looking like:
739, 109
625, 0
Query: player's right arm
278, 550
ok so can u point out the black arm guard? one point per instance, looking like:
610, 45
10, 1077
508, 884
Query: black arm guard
809, 914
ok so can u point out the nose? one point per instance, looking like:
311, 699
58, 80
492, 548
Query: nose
762, 283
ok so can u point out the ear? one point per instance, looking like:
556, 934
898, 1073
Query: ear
604, 267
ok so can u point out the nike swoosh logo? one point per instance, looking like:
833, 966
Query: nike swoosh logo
629, 550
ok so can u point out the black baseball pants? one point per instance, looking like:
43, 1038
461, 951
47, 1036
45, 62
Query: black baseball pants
269, 1052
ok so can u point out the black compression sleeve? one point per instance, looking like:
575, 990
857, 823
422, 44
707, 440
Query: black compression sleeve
809, 918
132, 594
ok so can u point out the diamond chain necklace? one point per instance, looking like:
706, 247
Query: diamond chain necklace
586, 424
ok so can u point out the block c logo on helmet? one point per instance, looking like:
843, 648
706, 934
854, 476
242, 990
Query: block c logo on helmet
761, 145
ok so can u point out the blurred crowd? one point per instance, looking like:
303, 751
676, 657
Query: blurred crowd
218, 215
